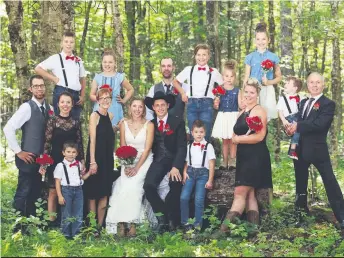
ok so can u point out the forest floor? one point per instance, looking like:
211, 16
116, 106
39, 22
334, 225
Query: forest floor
277, 235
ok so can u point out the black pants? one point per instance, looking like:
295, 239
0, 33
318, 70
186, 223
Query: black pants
171, 206
28, 191
333, 191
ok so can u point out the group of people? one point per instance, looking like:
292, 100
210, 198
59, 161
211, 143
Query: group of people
170, 164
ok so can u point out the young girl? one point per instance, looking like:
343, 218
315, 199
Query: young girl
201, 79
228, 106
115, 80
254, 69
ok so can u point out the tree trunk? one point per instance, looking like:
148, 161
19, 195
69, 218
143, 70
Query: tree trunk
15, 11
212, 13
229, 31
104, 26
287, 66
304, 68
276, 122
323, 59
118, 36
84, 33
67, 15
35, 48
199, 37
336, 89
134, 67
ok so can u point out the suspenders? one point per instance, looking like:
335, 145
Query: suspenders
206, 90
287, 104
204, 154
66, 174
63, 70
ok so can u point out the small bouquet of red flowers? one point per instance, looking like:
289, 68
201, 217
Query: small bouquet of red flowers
218, 91
267, 65
126, 154
106, 86
45, 161
254, 124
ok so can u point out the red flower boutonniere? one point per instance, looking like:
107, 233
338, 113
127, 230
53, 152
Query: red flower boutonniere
51, 113
202, 147
167, 129
175, 92
210, 70
77, 59
316, 106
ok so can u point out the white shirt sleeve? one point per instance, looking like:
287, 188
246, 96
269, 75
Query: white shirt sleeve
211, 152
280, 103
82, 71
49, 63
58, 172
217, 77
20, 117
184, 75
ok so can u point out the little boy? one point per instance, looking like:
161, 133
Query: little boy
68, 74
69, 190
198, 172
288, 107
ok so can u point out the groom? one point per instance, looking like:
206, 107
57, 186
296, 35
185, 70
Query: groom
169, 149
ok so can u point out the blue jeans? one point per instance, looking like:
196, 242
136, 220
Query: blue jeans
295, 138
72, 211
197, 177
76, 110
201, 109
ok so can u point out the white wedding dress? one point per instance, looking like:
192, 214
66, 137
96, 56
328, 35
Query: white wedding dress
126, 202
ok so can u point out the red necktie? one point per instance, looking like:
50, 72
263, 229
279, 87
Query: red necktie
76, 163
201, 68
196, 144
161, 125
297, 98
70, 57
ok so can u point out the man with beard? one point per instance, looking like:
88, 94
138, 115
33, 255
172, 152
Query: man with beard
31, 117
167, 69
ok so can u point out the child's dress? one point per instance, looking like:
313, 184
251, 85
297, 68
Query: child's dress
227, 115
267, 98
115, 83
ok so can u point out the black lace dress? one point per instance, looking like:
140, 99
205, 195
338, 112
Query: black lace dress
100, 185
59, 130
253, 165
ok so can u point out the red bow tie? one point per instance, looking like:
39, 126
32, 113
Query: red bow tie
297, 98
76, 163
201, 68
196, 144
70, 57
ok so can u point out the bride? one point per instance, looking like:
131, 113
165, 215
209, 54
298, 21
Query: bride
126, 199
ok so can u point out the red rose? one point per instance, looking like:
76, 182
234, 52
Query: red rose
126, 154
211, 70
217, 91
267, 65
175, 92
106, 86
316, 106
50, 113
44, 160
169, 132
254, 124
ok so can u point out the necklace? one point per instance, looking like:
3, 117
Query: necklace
135, 126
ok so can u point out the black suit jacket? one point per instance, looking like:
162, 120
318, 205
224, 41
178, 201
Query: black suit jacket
313, 130
176, 142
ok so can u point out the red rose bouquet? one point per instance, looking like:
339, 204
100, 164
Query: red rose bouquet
267, 65
218, 91
44, 160
254, 124
127, 155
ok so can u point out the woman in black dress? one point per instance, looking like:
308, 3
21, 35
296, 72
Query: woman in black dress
100, 160
61, 128
253, 167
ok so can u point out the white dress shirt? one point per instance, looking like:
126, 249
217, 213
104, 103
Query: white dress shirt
200, 80
73, 70
281, 105
197, 155
306, 104
20, 117
73, 173
149, 112
164, 119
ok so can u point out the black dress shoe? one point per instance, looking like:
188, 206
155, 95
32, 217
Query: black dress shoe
163, 224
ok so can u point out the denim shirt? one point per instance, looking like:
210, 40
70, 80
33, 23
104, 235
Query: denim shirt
255, 59
229, 101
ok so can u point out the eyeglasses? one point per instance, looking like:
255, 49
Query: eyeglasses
105, 99
40, 86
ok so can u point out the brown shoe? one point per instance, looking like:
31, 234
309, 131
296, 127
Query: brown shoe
132, 231
232, 216
253, 217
